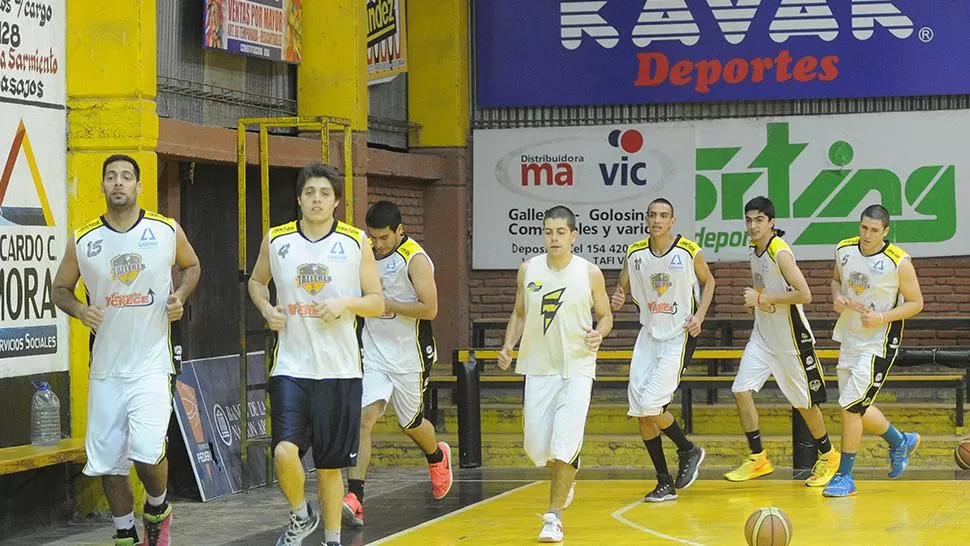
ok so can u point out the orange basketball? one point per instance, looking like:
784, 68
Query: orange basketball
768, 527
962, 454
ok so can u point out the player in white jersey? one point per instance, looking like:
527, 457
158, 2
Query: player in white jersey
125, 260
663, 273
781, 345
874, 289
557, 296
399, 350
325, 277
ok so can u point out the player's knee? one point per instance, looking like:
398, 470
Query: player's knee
286, 452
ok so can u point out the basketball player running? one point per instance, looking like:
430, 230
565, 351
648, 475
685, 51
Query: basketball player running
556, 298
662, 274
781, 345
325, 276
399, 350
874, 288
125, 260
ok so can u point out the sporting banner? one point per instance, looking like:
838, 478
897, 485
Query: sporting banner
33, 192
208, 412
269, 29
584, 52
606, 175
820, 172
387, 48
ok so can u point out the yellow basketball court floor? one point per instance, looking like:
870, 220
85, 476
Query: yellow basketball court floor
884, 513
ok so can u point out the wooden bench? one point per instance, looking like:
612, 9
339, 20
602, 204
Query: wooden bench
467, 377
21, 458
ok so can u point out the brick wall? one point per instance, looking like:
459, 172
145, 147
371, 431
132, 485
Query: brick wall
945, 283
408, 196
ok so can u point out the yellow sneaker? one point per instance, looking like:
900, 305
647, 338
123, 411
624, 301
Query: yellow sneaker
825, 468
754, 466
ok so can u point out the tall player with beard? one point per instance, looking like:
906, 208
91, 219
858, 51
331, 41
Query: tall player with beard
664, 274
125, 259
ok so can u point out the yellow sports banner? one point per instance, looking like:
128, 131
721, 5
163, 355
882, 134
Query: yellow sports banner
387, 52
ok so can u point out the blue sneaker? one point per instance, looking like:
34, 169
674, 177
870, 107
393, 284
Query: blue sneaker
899, 457
842, 485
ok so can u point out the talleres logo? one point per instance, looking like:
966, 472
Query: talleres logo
581, 21
925, 196
577, 170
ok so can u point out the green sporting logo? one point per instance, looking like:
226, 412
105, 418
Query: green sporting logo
829, 199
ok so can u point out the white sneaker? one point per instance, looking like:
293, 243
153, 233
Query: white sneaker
569, 496
551, 529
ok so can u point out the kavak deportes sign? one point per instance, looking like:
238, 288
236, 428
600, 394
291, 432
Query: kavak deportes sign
578, 52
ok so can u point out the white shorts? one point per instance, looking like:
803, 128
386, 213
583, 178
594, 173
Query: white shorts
554, 413
127, 421
405, 392
861, 375
655, 371
799, 375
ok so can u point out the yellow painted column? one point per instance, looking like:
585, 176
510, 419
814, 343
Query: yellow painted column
438, 72
333, 78
111, 84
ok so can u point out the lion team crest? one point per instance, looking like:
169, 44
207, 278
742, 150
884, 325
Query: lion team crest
126, 267
858, 282
313, 277
660, 282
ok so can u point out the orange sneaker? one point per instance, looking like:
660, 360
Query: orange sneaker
353, 514
441, 475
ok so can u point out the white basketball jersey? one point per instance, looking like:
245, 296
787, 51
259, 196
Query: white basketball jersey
664, 288
305, 273
396, 343
129, 275
558, 306
874, 282
779, 327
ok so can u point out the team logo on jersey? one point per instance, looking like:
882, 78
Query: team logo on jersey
313, 277
662, 307
534, 286
815, 385
283, 251
337, 253
126, 267
147, 239
879, 267
660, 282
390, 268
551, 302
858, 282
677, 263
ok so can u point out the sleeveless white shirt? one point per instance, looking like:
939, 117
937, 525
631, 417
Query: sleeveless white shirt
396, 343
664, 288
558, 305
779, 327
129, 275
873, 281
306, 272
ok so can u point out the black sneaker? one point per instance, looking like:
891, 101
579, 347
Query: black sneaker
689, 466
664, 491
298, 529
126, 537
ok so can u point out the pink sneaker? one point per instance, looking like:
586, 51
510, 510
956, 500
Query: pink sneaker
157, 526
353, 511
441, 475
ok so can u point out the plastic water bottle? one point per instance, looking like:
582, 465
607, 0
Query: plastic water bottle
45, 416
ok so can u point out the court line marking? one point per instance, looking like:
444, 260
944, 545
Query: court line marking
618, 516
410, 530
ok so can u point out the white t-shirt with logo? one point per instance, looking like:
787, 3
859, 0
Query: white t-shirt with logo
664, 288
